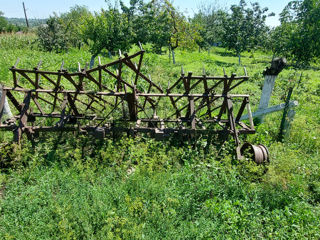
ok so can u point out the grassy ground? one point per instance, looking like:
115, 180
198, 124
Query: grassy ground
71, 187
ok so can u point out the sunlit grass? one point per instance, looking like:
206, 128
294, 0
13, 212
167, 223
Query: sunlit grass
76, 188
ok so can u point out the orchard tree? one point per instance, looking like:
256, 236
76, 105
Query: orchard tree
52, 37
148, 23
72, 22
3, 23
245, 28
210, 20
300, 23
62, 32
158, 22
280, 39
181, 32
108, 30
152, 26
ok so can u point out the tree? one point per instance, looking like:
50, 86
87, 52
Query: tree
245, 28
300, 23
210, 20
158, 22
3, 23
279, 40
108, 30
62, 32
72, 22
181, 32
150, 25
52, 36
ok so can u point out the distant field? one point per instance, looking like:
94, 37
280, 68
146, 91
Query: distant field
69, 187
22, 21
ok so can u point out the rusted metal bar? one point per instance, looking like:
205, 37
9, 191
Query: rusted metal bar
34, 98
138, 69
242, 108
218, 78
202, 95
17, 132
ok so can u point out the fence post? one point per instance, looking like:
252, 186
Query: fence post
287, 118
270, 74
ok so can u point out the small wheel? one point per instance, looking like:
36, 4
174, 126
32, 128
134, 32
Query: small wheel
258, 153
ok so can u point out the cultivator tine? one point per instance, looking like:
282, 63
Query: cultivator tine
79, 67
99, 60
17, 62
182, 71
140, 46
39, 65
61, 67
160, 87
245, 71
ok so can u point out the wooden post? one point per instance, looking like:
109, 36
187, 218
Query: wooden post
277, 65
287, 117
25, 14
287, 123
269, 110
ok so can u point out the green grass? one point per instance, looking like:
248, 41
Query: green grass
71, 187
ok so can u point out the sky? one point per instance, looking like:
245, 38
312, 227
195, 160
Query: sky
44, 8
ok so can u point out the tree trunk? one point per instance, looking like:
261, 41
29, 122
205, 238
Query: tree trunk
92, 60
173, 57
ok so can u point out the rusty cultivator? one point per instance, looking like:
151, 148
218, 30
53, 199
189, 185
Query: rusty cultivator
118, 98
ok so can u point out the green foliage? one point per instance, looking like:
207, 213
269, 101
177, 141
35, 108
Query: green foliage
245, 28
211, 21
11, 41
60, 33
3, 23
182, 33
151, 25
5, 26
107, 30
299, 31
21, 22
52, 36
72, 21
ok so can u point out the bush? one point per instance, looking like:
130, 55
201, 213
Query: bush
52, 36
